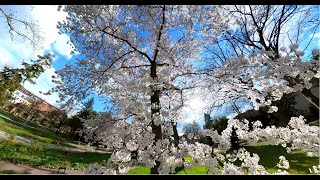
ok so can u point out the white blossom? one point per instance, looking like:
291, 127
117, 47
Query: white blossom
315, 169
272, 109
293, 46
132, 146
283, 163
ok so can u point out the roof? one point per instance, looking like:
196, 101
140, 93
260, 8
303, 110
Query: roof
44, 106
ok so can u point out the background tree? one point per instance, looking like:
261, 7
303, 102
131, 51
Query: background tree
76, 121
22, 29
220, 124
207, 121
96, 129
193, 127
263, 28
11, 79
59, 118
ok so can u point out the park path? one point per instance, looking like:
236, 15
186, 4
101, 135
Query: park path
10, 168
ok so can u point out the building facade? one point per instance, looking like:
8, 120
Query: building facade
29, 106
27, 98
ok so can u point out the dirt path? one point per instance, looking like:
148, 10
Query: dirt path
9, 168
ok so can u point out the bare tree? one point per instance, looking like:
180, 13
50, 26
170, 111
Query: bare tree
22, 29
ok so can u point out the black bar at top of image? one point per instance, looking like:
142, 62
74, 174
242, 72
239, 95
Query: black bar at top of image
157, 2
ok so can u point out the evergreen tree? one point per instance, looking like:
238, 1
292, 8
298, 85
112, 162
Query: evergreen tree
11, 79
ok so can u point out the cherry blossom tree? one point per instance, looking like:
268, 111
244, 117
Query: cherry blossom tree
264, 81
269, 28
138, 55
143, 58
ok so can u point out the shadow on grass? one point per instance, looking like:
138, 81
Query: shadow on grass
269, 157
76, 160
39, 156
14, 172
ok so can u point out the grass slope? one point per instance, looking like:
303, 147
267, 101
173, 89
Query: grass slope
36, 134
40, 156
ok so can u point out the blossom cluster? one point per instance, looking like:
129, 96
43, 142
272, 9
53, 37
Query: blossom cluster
296, 136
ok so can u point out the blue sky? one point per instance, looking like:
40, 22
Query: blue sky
12, 53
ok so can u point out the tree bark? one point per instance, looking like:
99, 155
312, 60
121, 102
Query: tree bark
155, 99
175, 134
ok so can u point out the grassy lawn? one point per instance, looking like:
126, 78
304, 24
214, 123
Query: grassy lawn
269, 157
23, 121
298, 160
17, 129
40, 156
140, 170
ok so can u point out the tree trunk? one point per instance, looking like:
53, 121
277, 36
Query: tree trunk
175, 134
155, 99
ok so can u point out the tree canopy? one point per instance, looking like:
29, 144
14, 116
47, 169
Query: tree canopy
151, 62
11, 79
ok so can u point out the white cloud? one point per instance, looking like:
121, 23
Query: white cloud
180, 131
6, 58
47, 17
13, 52
61, 46
195, 107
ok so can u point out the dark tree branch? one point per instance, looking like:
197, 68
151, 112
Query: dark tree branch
156, 50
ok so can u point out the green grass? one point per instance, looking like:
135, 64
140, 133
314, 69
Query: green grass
40, 156
194, 170
23, 121
298, 160
18, 121
38, 135
140, 170
269, 157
